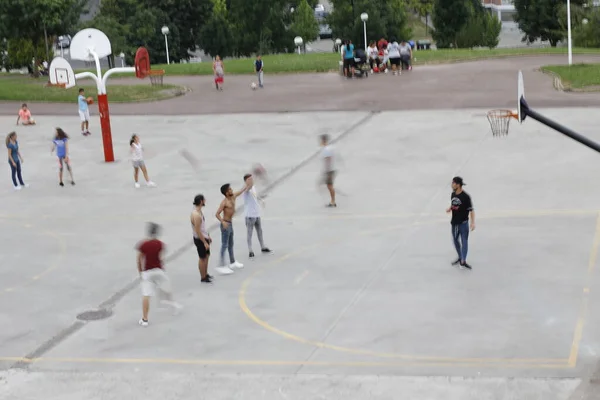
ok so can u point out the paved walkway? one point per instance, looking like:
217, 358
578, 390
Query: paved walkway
489, 83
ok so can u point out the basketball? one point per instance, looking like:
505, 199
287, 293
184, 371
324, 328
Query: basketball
253, 85
90, 100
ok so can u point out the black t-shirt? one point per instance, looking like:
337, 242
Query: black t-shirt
461, 206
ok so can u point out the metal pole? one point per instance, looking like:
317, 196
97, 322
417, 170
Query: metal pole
365, 32
167, 47
46, 39
562, 129
569, 32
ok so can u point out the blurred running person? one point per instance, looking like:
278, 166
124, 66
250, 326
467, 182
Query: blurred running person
25, 116
328, 168
15, 160
60, 144
252, 209
461, 208
219, 72
137, 159
225, 216
151, 270
394, 55
202, 239
84, 112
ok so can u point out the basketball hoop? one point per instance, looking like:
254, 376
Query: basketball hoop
500, 121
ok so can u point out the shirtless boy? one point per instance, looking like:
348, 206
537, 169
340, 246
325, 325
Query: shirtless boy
225, 216
202, 239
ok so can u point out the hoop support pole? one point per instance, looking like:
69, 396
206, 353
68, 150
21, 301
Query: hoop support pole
105, 126
560, 128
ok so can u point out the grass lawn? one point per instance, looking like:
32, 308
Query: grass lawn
577, 76
26, 89
418, 29
325, 62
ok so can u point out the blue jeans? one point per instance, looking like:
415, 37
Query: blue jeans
460, 235
227, 243
16, 173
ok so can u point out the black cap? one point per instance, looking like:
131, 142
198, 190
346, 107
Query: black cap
198, 199
458, 180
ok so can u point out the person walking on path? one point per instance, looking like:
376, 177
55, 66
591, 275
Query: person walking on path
225, 216
348, 59
151, 270
328, 168
252, 210
137, 159
15, 160
258, 68
461, 208
61, 145
219, 72
202, 239
84, 113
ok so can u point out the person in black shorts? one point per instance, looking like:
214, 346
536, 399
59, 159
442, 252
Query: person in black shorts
202, 239
461, 208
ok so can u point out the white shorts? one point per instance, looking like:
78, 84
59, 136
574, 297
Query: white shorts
84, 115
152, 279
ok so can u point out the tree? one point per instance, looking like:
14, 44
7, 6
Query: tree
539, 19
449, 17
260, 26
423, 8
588, 34
386, 19
216, 36
480, 29
304, 23
38, 21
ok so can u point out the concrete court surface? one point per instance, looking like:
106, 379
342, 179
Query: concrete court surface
357, 302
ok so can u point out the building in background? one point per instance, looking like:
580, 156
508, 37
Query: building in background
504, 9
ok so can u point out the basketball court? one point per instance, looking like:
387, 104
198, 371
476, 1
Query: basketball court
359, 291
357, 301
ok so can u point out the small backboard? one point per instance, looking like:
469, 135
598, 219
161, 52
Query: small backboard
89, 39
520, 97
142, 63
61, 73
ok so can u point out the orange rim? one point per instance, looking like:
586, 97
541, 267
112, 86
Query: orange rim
503, 114
60, 85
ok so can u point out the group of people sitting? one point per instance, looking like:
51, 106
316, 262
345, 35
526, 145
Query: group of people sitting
380, 55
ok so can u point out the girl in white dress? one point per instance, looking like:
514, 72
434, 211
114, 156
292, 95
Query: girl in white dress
137, 159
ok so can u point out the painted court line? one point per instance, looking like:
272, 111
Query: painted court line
169, 361
301, 277
570, 362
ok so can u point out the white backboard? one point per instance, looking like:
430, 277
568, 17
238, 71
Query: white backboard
89, 39
61, 73
520, 94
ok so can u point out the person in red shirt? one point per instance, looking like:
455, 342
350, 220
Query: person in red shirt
382, 44
152, 273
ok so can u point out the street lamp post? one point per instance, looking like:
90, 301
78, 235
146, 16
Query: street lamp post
122, 56
569, 44
60, 41
338, 44
298, 42
165, 31
364, 17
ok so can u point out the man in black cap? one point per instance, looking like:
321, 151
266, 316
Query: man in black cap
461, 207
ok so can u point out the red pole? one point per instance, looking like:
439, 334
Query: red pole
105, 126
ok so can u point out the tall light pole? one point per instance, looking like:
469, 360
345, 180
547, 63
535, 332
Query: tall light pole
569, 45
364, 17
298, 42
165, 31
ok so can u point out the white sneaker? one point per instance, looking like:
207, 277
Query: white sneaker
151, 184
224, 270
137, 185
143, 323
237, 265
18, 187
174, 305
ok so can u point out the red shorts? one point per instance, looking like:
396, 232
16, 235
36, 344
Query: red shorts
219, 79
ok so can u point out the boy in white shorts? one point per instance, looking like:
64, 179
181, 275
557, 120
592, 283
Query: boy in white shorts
84, 113
150, 268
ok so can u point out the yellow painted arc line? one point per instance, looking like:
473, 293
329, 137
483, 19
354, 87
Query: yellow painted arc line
287, 335
558, 365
